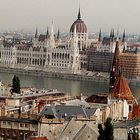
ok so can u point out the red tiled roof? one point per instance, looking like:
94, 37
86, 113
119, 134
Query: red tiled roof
121, 90
102, 99
136, 112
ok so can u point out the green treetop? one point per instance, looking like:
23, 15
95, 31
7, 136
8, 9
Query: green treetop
106, 132
15, 84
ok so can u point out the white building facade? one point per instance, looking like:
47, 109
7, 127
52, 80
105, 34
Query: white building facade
48, 53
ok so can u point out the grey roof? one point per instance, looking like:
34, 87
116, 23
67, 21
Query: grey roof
90, 111
67, 112
126, 124
46, 110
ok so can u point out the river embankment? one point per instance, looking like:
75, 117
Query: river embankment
82, 77
89, 76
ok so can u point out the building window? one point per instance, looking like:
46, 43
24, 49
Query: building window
9, 123
26, 125
4, 123
21, 124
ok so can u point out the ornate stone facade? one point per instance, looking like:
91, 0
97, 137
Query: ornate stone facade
49, 53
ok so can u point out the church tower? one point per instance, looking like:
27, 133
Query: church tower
115, 69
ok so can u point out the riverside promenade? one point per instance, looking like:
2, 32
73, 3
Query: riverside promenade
87, 76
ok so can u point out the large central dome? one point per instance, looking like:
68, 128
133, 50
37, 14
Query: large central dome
79, 24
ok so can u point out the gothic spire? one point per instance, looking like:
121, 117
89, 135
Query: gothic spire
100, 36
47, 33
58, 34
36, 33
118, 34
79, 14
123, 38
52, 41
111, 33
52, 32
114, 73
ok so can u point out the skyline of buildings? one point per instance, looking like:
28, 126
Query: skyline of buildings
70, 53
74, 53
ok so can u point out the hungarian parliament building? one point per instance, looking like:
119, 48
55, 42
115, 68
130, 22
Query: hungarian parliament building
73, 54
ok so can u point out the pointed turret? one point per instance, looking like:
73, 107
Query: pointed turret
111, 33
118, 34
47, 33
122, 91
114, 73
100, 36
58, 34
52, 32
123, 38
36, 33
52, 42
79, 14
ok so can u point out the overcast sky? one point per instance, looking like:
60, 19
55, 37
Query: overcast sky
105, 14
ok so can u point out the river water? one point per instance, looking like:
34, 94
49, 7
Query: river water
69, 86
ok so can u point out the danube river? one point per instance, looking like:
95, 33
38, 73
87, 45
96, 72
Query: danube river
68, 86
